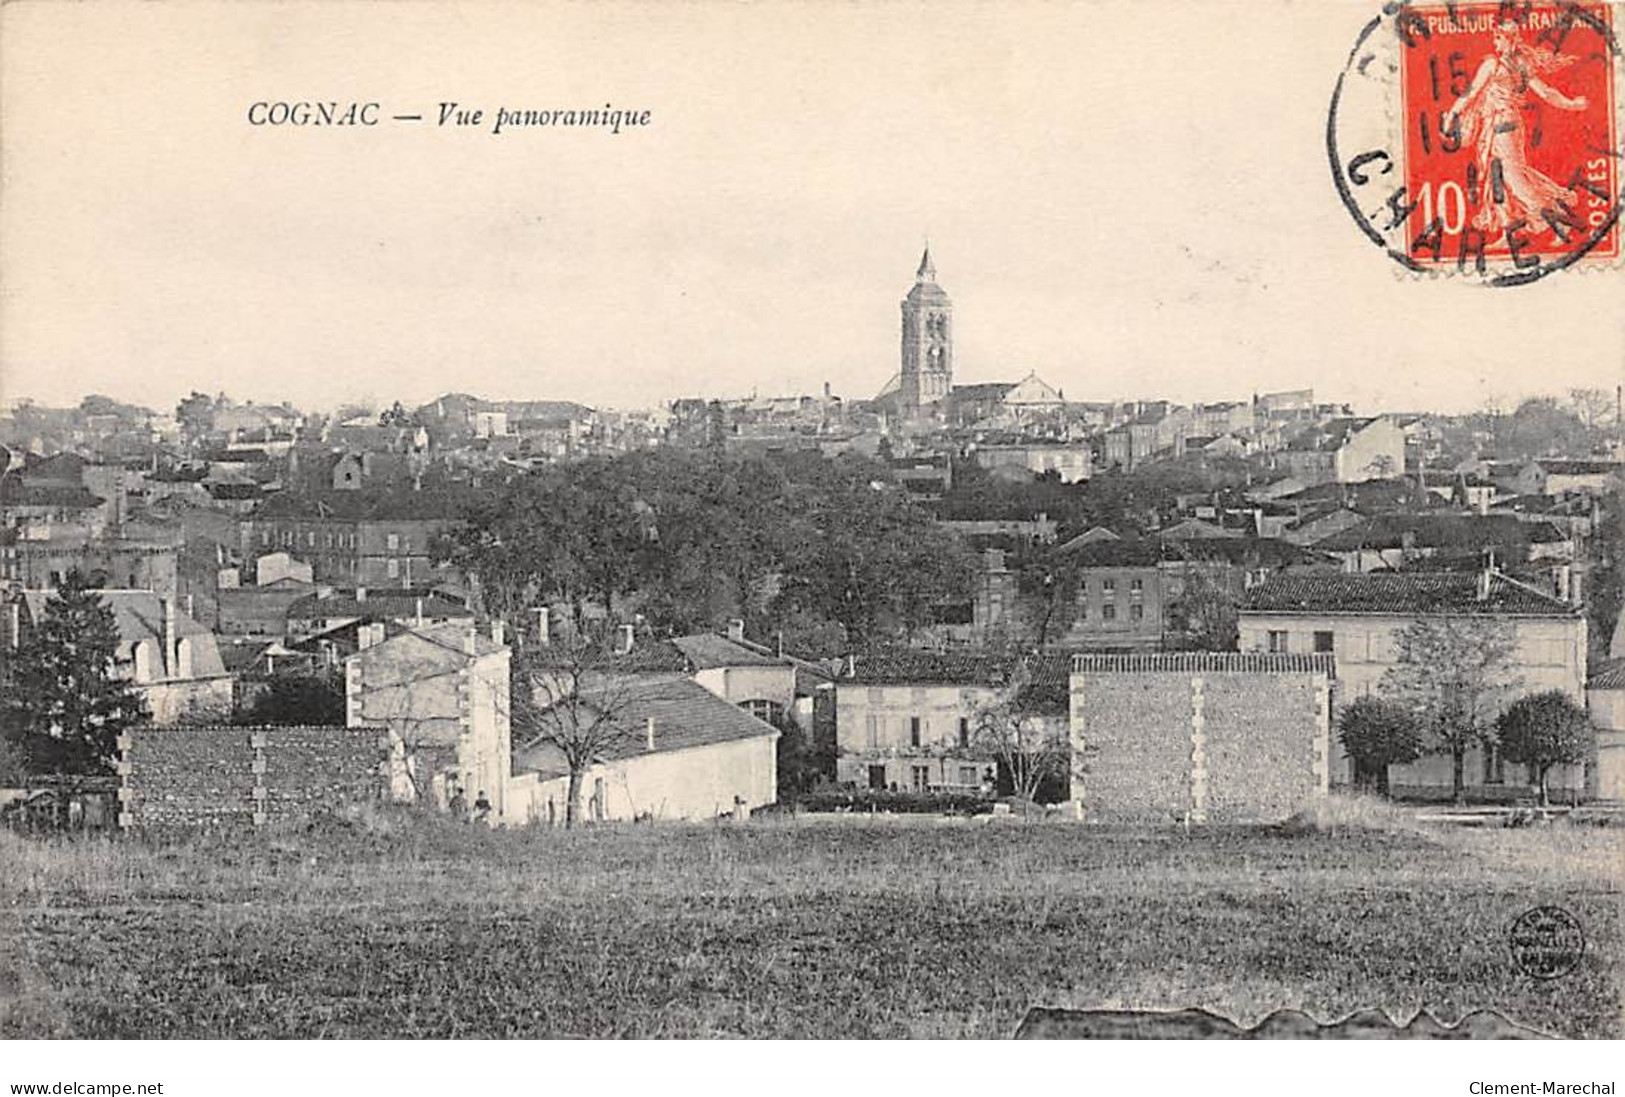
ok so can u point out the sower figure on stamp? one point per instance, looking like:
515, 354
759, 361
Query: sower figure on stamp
1490, 114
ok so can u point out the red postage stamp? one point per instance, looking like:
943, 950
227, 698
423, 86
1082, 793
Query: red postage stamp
1510, 147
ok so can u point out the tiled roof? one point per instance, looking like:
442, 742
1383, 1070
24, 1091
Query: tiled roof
1205, 662
139, 615
1567, 467
15, 493
705, 650
395, 506
1043, 676
679, 654
1611, 675
1329, 437
1441, 531
378, 603
1402, 594
685, 715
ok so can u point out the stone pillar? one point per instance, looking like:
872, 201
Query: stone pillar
126, 794
1198, 809
257, 742
1076, 733
1321, 761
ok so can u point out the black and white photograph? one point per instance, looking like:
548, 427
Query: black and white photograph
855, 523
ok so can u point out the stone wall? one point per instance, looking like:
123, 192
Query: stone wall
1221, 737
222, 775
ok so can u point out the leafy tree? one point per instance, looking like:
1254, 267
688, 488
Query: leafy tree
1541, 426
869, 560
1206, 613
314, 700
1451, 674
1541, 730
195, 414
61, 703
1378, 733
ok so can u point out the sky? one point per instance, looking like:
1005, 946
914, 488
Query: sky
1131, 200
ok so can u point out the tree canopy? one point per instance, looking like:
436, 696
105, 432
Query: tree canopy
690, 540
1542, 730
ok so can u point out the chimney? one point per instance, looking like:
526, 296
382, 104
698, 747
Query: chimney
993, 559
1560, 576
471, 642
628, 634
170, 655
1484, 584
736, 630
543, 626
189, 610
499, 632
649, 733
417, 613
14, 626
1576, 596
360, 594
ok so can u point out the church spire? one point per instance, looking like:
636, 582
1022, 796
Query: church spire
928, 270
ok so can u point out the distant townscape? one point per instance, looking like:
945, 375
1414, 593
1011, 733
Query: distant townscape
943, 596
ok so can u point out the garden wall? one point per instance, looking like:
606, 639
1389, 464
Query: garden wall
224, 775
1199, 737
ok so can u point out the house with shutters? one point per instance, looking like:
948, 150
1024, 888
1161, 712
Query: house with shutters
1359, 619
906, 719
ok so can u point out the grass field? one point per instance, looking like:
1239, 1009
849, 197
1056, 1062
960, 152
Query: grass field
792, 928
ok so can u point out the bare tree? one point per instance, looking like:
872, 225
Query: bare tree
1029, 741
571, 698
1593, 407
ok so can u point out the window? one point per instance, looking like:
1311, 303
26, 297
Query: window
1108, 586
1136, 586
1323, 642
913, 731
871, 725
1136, 612
922, 777
310, 538
770, 711
1108, 612
394, 568
967, 775
392, 541
964, 731
1276, 642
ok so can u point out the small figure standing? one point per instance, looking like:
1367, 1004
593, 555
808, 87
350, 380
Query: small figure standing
458, 805
482, 808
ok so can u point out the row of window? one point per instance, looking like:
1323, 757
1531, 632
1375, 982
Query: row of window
1279, 642
393, 542
916, 730
1109, 587
920, 777
1108, 612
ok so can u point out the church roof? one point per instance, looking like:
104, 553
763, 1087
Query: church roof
926, 290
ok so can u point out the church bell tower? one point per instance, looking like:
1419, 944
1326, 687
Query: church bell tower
928, 342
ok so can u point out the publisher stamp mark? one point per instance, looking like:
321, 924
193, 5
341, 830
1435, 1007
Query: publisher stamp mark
1546, 942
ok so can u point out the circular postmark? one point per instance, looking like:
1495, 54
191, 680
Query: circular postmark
1481, 139
1546, 942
